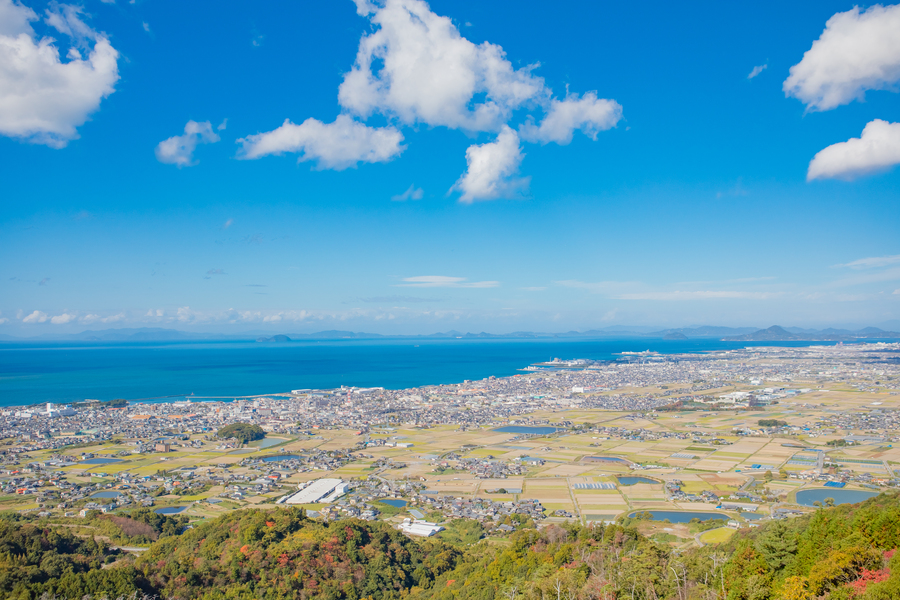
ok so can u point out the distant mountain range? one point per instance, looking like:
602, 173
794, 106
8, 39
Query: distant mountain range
737, 334
776, 333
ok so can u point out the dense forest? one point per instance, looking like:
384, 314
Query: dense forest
842, 553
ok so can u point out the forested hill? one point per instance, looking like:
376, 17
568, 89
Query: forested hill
842, 553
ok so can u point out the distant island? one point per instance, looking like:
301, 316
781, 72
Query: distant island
675, 335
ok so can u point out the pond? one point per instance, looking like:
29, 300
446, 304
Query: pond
170, 510
635, 480
279, 457
109, 494
605, 459
807, 497
393, 502
752, 516
679, 516
101, 461
525, 429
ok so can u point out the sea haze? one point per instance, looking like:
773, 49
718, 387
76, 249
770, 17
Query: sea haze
149, 371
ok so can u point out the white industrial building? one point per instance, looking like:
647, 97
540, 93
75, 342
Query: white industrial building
419, 527
319, 491
54, 411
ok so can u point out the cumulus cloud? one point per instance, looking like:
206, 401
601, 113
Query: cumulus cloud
589, 114
413, 193
415, 68
43, 100
62, 319
757, 70
857, 51
36, 317
492, 169
877, 149
337, 145
444, 281
178, 150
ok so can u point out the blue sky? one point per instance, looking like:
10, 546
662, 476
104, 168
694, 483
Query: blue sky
410, 168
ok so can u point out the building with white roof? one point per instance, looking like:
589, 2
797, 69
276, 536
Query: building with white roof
319, 490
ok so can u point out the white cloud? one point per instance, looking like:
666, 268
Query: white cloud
877, 276
757, 70
337, 145
444, 281
877, 149
599, 287
857, 51
872, 262
633, 290
589, 114
492, 169
896, 292
698, 295
412, 193
92, 318
228, 224
417, 67
3, 320
179, 149
36, 317
62, 319
42, 99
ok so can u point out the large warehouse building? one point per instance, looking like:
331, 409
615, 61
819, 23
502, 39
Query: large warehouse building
319, 491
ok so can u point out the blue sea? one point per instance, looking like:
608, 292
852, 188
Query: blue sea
32, 372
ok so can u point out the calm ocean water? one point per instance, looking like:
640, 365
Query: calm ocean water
67, 372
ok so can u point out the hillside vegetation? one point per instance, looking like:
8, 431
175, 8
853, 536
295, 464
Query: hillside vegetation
842, 553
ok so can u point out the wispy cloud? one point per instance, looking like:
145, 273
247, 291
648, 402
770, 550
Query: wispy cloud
633, 290
727, 281
412, 193
227, 223
757, 70
891, 274
92, 318
699, 295
872, 262
599, 287
397, 299
44, 281
444, 281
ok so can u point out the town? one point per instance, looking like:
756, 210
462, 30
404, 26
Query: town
738, 436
